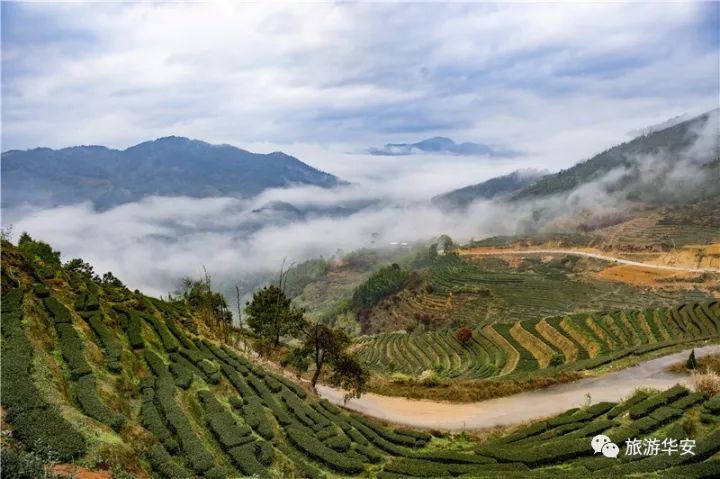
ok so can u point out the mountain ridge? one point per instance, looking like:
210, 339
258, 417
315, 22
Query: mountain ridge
440, 144
170, 166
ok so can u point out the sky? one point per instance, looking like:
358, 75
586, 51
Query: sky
326, 82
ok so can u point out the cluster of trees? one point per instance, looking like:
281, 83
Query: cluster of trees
208, 306
381, 284
272, 316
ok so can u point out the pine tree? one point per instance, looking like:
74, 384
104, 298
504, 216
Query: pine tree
691, 362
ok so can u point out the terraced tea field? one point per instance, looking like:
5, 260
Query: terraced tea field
458, 291
565, 343
210, 412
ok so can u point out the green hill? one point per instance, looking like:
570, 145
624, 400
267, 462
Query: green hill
106, 378
667, 147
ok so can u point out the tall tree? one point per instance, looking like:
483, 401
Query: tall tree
324, 346
271, 314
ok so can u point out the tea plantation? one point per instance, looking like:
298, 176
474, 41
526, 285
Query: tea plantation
99, 376
566, 343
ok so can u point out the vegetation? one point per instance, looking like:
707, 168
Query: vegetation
271, 314
188, 405
323, 345
549, 346
382, 283
691, 362
452, 291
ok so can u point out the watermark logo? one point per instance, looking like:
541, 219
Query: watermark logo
643, 447
652, 447
602, 444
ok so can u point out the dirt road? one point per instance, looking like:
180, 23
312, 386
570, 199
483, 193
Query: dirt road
589, 255
520, 407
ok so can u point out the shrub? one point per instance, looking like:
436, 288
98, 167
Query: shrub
91, 404
688, 401
107, 340
550, 453
41, 291
151, 420
183, 376
377, 440
200, 459
265, 453
46, 431
273, 384
36, 423
168, 340
254, 415
91, 302
636, 398
178, 333
305, 441
246, 459
339, 442
369, 453
417, 468
417, 435
665, 413
600, 408
237, 381
134, 331
449, 457
391, 436
71, 347
58, 311
164, 464
707, 383
713, 405
643, 408
463, 335
210, 370
556, 360
222, 423
305, 469
534, 429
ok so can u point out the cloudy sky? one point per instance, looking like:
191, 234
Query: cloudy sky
558, 82
325, 82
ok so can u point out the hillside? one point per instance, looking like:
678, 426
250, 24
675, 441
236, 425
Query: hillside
108, 379
171, 166
487, 190
645, 163
665, 165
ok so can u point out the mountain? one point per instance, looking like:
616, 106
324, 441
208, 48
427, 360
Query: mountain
170, 166
492, 188
440, 144
675, 163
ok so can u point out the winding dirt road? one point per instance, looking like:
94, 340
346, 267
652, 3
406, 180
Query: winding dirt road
589, 255
520, 407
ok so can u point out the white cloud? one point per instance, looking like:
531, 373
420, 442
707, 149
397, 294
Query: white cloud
355, 74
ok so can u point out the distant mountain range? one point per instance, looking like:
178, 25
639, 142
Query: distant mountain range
440, 144
676, 163
170, 166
